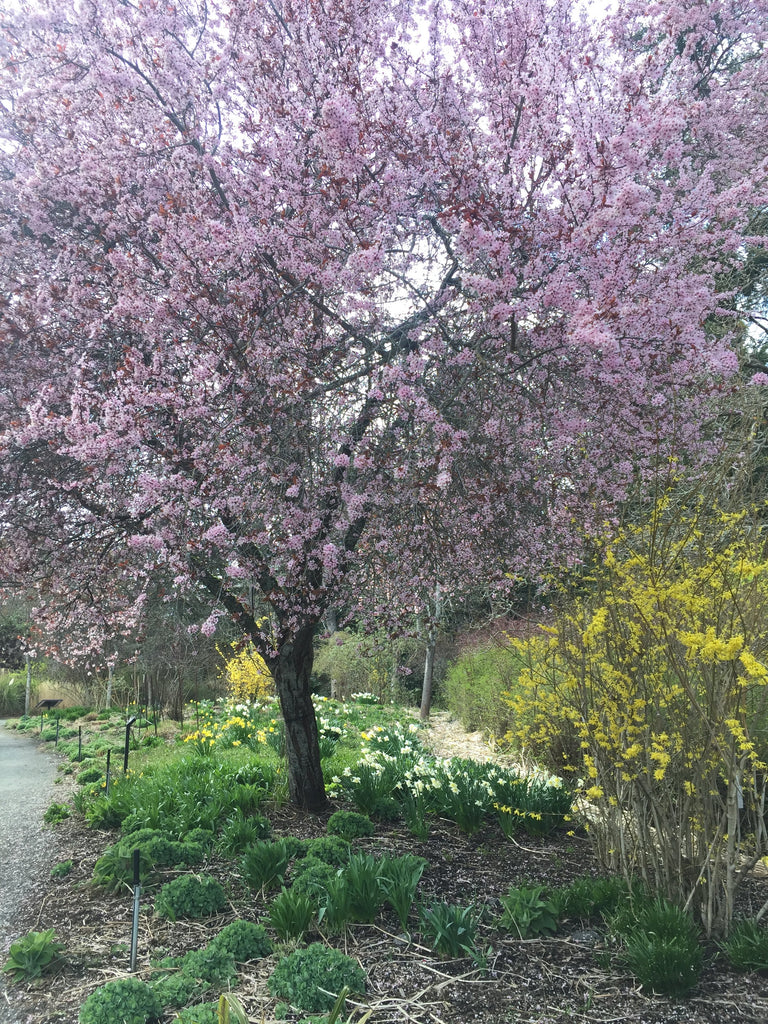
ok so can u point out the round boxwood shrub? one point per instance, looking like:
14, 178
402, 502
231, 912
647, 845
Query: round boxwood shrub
350, 825
244, 940
127, 1000
190, 896
331, 849
203, 1013
308, 978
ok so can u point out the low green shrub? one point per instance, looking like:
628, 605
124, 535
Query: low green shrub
62, 869
331, 849
113, 871
528, 912
170, 853
311, 876
73, 713
746, 947
350, 825
311, 979
202, 1013
32, 955
56, 813
179, 989
185, 979
127, 1000
190, 896
213, 963
244, 940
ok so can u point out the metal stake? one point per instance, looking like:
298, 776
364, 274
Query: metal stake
136, 895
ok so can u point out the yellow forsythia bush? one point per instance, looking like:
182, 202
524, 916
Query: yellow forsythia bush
247, 675
652, 684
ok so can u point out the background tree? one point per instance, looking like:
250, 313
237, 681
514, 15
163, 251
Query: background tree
295, 293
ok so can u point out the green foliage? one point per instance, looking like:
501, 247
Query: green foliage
229, 1009
191, 896
108, 812
202, 1013
463, 793
265, 864
335, 911
331, 849
291, 914
364, 887
247, 797
179, 989
32, 954
371, 791
240, 832
415, 807
310, 876
346, 659
746, 947
72, 714
312, 978
450, 930
214, 963
56, 813
538, 804
399, 878
202, 836
586, 898
93, 773
127, 1000
113, 871
350, 825
476, 685
528, 912
170, 853
244, 940
183, 794
185, 979
660, 945
62, 869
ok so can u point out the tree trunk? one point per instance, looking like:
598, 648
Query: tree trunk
429, 658
426, 689
291, 670
109, 686
28, 691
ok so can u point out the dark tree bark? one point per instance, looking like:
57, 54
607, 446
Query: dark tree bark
291, 670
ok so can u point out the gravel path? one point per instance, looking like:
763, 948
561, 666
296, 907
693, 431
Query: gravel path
27, 851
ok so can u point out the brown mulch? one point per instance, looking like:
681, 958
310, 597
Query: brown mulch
565, 978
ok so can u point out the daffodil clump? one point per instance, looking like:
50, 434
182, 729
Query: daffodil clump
396, 774
652, 687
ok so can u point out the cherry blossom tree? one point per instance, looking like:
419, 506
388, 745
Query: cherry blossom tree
301, 294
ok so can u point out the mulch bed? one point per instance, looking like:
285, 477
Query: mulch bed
564, 978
